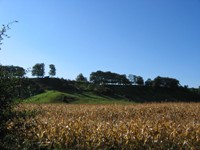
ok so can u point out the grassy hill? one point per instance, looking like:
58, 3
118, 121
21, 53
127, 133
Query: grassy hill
75, 98
60, 90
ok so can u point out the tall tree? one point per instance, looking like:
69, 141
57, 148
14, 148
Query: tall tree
38, 70
157, 82
96, 77
52, 71
131, 78
140, 80
81, 78
124, 80
148, 82
165, 82
108, 77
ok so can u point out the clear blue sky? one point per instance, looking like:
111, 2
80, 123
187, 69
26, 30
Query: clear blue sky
140, 37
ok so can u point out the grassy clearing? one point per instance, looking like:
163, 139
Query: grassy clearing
75, 98
48, 97
83, 126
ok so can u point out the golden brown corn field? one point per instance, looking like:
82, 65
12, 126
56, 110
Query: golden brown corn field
141, 126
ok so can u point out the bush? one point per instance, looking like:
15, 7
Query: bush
10, 90
6, 103
101, 89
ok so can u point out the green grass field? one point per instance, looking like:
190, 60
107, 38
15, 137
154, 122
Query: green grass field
75, 98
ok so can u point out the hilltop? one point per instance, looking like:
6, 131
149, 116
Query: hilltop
75, 98
102, 84
84, 92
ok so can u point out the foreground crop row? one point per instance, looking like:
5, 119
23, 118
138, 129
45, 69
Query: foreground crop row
142, 126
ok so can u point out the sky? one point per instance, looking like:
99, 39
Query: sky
148, 38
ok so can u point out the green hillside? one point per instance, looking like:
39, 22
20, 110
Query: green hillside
75, 98
60, 90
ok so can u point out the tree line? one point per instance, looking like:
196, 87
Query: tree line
19, 72
110, 78
98, 77
101, 77
12, 71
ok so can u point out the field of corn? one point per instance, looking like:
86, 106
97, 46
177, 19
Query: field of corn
139, 126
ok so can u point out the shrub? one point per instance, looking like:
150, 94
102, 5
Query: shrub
6, 103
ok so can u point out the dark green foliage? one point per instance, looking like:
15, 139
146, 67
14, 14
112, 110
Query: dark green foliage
21, 88
81, 78
6, 99
165, 82
139, 80
148, 82
101, 89
12, 89
27, 88
12, 86
52, 71
107, 78
6, 104
132, 92
55, 84
159, 94
11, 72
38, 70
6, 95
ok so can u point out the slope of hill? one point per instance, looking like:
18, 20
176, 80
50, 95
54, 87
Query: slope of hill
84, 92
78, 98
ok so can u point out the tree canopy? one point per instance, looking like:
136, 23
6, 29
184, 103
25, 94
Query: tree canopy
81, 78
101, 77
148, 82
139, 80
52, 71
38, 70
12, 72
165, 82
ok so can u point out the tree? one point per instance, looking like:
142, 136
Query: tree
131, 78
157, 82
6, 94
38, 70
52, 71
148, 82
123, 79
12, 72
165, 82
3, 31
108, 77
138, 80
96, 77
81, 78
